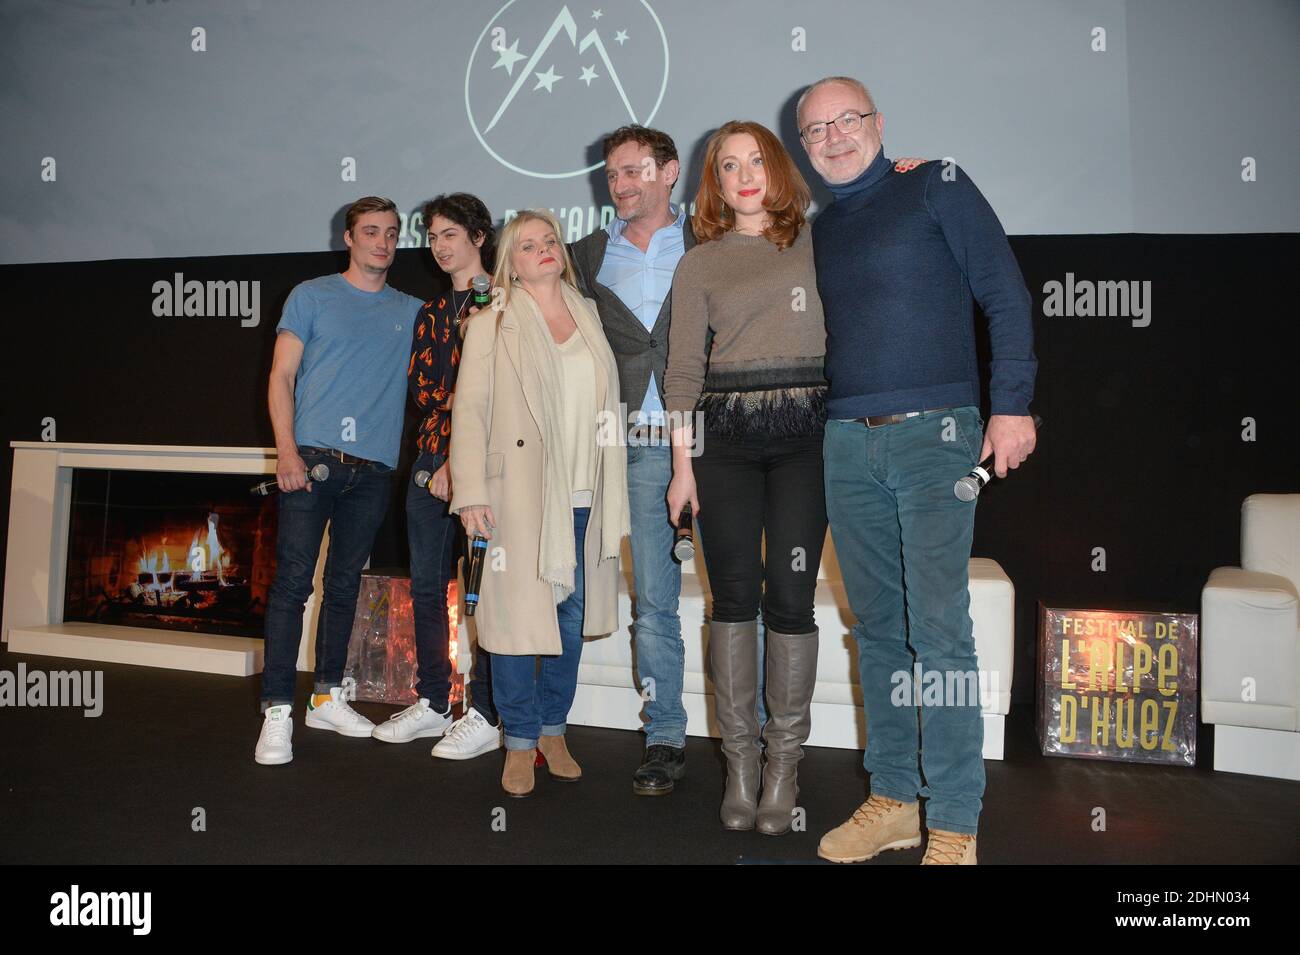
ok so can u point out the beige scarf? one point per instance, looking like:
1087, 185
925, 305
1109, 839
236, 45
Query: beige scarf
540, 358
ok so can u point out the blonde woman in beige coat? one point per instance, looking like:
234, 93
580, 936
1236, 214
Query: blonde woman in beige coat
538, 469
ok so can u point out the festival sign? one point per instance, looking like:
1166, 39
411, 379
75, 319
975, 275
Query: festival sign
1118, 685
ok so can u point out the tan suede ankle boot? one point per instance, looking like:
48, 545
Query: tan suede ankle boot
559, 763
517, 777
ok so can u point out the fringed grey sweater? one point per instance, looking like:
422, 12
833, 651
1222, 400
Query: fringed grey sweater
747, 342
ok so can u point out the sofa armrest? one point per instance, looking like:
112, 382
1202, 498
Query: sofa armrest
1250, 649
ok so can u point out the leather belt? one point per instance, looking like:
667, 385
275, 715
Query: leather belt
880, 420
340, 456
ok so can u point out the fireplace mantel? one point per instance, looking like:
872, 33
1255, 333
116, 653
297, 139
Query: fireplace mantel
39, 511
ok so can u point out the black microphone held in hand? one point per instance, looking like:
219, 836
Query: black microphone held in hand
969, 487
684, 544
474, 575
320, 472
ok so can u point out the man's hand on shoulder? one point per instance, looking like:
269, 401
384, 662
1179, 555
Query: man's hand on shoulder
1010, 439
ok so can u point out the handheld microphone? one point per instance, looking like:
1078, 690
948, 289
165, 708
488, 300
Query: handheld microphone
422, 478
684, 545
474, 576
482, 286
320, 472
969, 487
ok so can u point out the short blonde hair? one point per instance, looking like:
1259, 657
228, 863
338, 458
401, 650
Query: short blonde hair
501, 275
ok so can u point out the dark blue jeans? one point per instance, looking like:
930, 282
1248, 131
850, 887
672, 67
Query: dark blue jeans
535, 699
903, 540
353, 501
432, 533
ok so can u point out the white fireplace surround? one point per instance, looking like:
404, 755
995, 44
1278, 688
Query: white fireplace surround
40, 504
608, 693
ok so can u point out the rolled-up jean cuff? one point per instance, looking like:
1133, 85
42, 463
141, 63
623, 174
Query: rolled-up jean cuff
324, 686
675, 742
554, 729
951, 826
894, 794
516, 742
267, 704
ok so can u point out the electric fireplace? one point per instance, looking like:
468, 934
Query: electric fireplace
168, 550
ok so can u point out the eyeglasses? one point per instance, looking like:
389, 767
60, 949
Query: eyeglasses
848, 122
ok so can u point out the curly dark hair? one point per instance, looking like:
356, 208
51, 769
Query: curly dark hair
472, 215
661, 144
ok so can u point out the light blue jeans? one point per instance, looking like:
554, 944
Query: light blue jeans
660, 654
903, 540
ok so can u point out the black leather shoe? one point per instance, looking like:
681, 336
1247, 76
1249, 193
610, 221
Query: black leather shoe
662, 766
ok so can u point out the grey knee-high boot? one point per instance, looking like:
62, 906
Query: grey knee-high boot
734, 662
791, 675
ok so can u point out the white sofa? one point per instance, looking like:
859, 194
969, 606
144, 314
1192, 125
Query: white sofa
608, 694
1250, 644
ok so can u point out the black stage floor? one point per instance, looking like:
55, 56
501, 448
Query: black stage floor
123, 787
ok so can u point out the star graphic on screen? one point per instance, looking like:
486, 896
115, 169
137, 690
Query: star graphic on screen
596, 14
588, 74
621, 37
547, 79
508, 57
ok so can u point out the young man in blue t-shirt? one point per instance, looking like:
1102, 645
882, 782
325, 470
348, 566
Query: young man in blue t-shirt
336, 394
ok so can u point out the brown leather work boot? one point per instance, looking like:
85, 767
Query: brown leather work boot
559, 763
517, 777
878, 824
949, 848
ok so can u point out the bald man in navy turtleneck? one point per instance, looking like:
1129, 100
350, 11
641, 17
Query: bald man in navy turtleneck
901, 262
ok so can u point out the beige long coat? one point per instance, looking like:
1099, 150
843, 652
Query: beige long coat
496, 459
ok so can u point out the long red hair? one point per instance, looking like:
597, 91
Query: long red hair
786, 200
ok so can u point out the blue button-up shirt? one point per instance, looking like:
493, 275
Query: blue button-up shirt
643, 280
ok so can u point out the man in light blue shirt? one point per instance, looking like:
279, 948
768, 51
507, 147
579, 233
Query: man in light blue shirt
337, 391
643, 280
628, 269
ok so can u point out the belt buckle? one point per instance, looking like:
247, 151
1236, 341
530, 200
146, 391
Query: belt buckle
888, 419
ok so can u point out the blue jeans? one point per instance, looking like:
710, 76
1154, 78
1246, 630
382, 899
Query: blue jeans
353, 501
432, 533
903, 540
660, 653
535, 699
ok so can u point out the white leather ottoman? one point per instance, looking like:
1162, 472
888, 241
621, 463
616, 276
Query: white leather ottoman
609, 696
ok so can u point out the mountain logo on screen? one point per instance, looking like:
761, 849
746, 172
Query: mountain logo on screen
544, 83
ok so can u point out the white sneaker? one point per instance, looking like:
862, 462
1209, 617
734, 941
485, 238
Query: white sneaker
469, 736
335, 714
274, 743
416, 721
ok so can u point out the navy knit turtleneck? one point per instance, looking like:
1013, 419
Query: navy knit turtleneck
902, 260
876, 170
